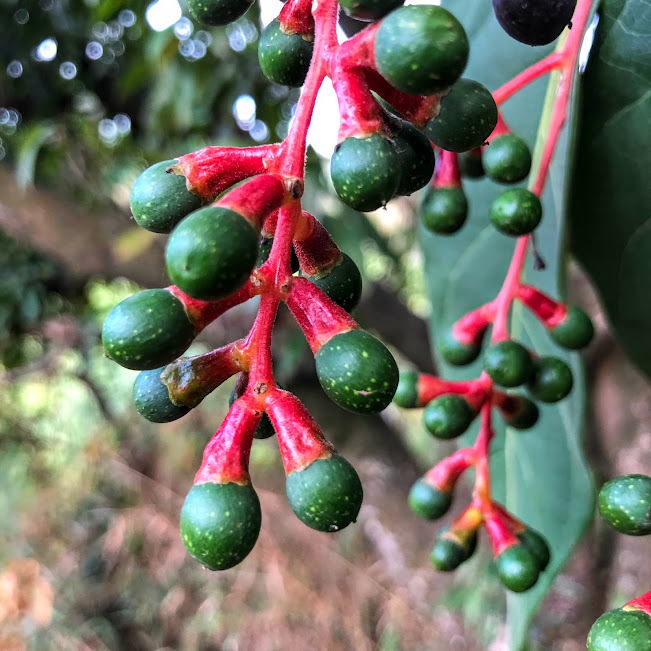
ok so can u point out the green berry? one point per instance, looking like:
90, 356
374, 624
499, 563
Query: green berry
218, 12
526, 415
147, 330
508, 363
284, 58
574, 331
447, 555
327, 495
365, 172
429, 502
456, 352
625, 504
152, 399
220, 523
416, 156
507, 159
444, 210
211, 253
516, 212
448, 416
537, 545
551, 379
518, 568
471, 165
407, 391
342, 283
421, 49
357, 372
621, 630
160, 200
265, 428
467, 116
369, 9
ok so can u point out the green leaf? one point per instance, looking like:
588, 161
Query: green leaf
611, 198
540, 474
33, 138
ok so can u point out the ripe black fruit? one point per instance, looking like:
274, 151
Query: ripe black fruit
342, 283
152, 399
508, 363
416, 157
218, 12
448, 416
625, 504
534, 22
284, 58
507, 159
467, 116
516, 212
444, 210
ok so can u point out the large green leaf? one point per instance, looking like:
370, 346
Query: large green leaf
611, 198
540, 474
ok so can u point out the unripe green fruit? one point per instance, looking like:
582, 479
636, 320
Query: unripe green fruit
447, 555
265, 428
448, 416
416, 156
218, 12
507, 159
574, 331
407, 391
160, 200
429, 502
537, 545
327, 495
365, 172
625, 504
467, 116
526, 416
211, 253
516, 212
471, 165
342, 283
421, 49
369, 9
508, 363
220, 523
444, 210
357, 372
152, 399
621, 630
517, 568
551, 379
147, 330
284, 58
264, 249
457, 353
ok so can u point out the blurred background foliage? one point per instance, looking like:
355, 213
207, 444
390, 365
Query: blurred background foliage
90, 557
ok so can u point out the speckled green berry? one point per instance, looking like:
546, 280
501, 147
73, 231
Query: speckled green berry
421, 49
369, 9
517, 568
416, 156
448, 416
507, 159
284, 58
508, 363
429, 502
407, 391
467, 116
357, 372
160, 200
444, 210
625, 504
218, 12
211, 253
621, 630
220, 523
327, 495
551, 379
147, 330
365, 172
265, 428
516, 212
152, 399
574, 331
342, 283
535, 542
471, 165
456, 352
525, 415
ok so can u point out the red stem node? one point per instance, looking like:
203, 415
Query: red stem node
447, 173
548, 311
226, 457
316, 251
501, 129
499, 532
642, 603
470, 328
444, 475
432, 386
300, 438
296, 18
509, 405
467, 523
516, 526
212, 170
319, 317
